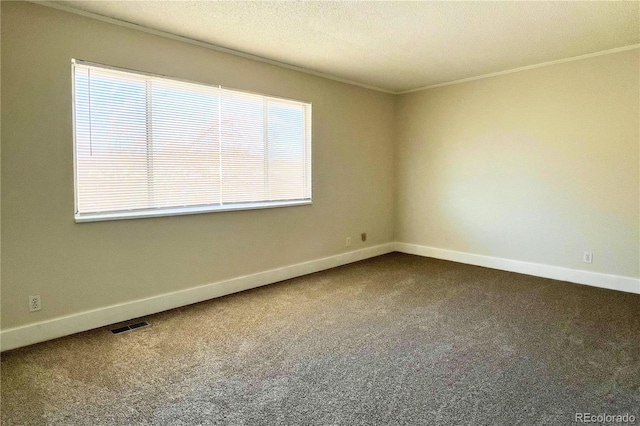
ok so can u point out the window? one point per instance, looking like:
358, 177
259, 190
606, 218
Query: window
152, 146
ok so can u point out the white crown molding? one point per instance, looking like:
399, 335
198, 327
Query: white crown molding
525, 68
204, 44
309, 71
50, 329
594, 279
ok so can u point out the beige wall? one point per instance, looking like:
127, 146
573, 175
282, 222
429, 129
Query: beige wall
536, 166
77, 267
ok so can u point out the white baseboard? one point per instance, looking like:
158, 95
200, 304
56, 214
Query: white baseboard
595, 279
46, 330
33, 333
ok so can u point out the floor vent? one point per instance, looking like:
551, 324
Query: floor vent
129, 327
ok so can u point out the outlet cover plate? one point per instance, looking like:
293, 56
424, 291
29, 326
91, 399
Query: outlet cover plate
35, 303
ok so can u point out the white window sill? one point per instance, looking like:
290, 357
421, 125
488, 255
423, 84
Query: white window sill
178, 211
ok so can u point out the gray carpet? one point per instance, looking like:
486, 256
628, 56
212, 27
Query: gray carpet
397, 339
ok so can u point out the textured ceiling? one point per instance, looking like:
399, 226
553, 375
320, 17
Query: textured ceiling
395, 46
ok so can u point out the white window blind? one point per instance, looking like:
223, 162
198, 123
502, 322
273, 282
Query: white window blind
149, 146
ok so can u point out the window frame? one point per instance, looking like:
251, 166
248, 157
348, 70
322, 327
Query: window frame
193, 209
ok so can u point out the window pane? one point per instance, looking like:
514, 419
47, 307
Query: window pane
286, 151
185, 140
243, 147
111, 148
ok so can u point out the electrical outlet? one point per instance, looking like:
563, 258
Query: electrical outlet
35, 304
348, 242
363, 236
587, 257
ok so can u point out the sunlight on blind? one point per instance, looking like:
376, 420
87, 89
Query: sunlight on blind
147, 144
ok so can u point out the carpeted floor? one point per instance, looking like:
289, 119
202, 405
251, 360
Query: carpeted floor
397, 339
